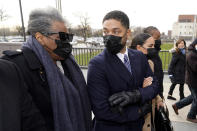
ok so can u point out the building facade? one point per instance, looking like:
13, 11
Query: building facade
185, 27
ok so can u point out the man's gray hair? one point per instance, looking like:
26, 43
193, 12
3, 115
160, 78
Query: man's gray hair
150, 30
40, 20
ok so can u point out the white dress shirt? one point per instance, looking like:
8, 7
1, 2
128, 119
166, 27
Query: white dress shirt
121, 56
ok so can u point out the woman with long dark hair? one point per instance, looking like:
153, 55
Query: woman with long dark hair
145, 43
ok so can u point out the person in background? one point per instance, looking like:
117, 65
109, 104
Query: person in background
17, 111
176, 69
53, 78
154, 56
191, 78
115, 79
145, 42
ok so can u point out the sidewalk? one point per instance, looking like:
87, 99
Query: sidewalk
179, 121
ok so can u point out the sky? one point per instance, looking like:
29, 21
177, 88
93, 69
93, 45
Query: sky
159, 13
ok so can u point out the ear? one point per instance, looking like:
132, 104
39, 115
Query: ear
39, 37
128, 33
138, 47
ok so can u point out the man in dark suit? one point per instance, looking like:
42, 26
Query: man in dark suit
116, 78
17, 112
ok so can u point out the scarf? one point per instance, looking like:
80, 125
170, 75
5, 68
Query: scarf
68, 101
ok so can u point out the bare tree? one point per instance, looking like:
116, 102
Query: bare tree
19, 30
3, 17
136, 30
84, 26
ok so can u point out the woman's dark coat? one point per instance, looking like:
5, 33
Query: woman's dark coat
177, 68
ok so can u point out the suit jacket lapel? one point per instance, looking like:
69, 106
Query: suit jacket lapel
116, 64
132, 60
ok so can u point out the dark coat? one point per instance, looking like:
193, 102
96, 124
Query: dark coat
108, 75
158, 71
35, 78
191, 67
17, 112
177, 68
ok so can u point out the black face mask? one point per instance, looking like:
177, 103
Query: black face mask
158, 44
64, 48
113, 43
152, 52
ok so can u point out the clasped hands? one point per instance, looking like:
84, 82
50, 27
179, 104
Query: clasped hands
121, 99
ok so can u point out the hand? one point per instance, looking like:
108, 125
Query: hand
160, 104
147, 81
124, 98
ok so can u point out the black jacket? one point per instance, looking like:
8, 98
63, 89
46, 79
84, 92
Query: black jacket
191, 66
35, 78
158, 71
17, 112
177, 68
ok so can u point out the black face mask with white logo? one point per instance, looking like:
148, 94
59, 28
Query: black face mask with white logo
64, 48
113, 43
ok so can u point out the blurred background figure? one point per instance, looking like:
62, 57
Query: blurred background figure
176, 69
191, 78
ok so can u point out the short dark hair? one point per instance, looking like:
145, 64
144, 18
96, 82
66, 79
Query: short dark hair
150, 30
119, 16
139, 40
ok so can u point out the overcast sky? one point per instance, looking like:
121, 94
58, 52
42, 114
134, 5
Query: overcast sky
159, 13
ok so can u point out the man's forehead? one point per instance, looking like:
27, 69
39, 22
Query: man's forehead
112, 24
59, 27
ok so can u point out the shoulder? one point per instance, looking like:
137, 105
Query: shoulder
13, 53
99, 59
7, 66
5, 63
136, 53
192, 55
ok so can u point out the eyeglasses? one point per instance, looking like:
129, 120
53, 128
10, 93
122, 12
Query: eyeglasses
63, 35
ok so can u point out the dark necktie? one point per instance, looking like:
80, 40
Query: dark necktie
127, 63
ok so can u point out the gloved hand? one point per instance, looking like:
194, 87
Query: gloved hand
124, 98
145, 109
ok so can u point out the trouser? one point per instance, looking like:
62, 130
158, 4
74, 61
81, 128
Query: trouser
184, 102
193, 110
181, 89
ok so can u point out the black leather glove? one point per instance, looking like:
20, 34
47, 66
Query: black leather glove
145, 109
124, 98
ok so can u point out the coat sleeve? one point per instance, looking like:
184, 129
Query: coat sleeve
99, 92
192, 62
172, 64
151, 91
31, 117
